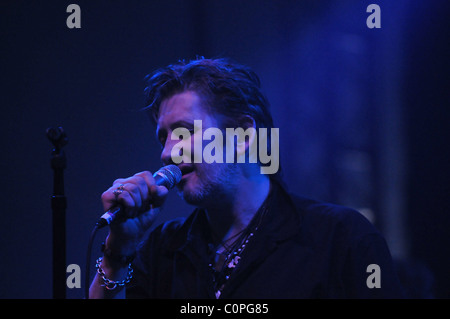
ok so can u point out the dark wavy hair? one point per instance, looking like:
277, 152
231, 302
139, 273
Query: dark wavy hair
228, 88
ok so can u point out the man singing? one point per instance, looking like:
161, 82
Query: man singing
248, 237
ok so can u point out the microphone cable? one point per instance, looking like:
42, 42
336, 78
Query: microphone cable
88, 261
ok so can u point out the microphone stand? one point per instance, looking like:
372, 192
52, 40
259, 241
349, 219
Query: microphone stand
58, 203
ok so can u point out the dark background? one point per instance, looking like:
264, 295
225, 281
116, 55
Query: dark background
363, 115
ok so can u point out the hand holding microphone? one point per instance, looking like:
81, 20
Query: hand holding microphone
131, 206
131, 203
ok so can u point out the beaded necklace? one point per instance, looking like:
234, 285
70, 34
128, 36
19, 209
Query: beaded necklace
233, 255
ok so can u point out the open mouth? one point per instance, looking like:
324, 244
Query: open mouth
186, 169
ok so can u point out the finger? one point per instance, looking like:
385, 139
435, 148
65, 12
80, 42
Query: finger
143, 182
146, 219
119, 181
139, 194
120, 194
142, 187
132, 202
109, 199
158, 195
136, 187
124, 199
147, 177
149, 180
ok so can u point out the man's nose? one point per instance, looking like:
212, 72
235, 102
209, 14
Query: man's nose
166, 157
175, 151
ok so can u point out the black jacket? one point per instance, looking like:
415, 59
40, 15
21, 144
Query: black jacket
303, 249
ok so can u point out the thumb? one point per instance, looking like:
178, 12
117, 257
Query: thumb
158, 195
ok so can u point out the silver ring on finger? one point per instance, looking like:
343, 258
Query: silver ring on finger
119, 190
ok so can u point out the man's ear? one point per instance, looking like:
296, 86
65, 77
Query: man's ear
247, 140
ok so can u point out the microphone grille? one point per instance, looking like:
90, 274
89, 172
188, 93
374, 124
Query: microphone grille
171, 175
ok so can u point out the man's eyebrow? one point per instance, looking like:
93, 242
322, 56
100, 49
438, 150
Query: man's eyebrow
181, 123
161, 132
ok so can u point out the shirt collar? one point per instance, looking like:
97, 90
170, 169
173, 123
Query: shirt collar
279, 223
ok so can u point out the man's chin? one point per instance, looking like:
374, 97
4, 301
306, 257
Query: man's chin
188, 195
190, 199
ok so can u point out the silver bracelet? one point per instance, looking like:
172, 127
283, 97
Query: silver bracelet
111, 284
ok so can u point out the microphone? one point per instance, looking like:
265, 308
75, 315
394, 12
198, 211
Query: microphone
167, 176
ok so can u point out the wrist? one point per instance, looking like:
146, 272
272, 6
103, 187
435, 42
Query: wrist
112, 279
118, 258
120, 246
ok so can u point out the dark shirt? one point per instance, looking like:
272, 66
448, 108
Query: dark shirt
302, 249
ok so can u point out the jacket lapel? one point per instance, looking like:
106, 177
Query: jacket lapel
280, 223
192, 276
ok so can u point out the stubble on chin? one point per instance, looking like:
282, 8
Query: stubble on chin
212, 186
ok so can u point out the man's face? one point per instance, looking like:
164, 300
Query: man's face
202, 183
